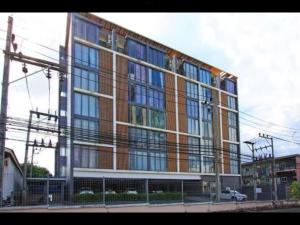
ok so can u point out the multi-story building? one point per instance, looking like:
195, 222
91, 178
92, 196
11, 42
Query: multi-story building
141, 110
287, 169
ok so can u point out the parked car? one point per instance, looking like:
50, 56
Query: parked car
110, 192
233, 195
86, 190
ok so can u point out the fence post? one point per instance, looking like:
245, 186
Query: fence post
47, 188
103, 189
147, 190
182, 191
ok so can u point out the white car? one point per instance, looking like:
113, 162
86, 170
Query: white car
86, 190
233, 195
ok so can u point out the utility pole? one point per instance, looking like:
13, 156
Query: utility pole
4, 99
274, 182
254, 167
216, 141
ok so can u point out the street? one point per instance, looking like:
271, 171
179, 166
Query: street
285, 210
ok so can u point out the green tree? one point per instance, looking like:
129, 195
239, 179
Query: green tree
37, 171
294, 190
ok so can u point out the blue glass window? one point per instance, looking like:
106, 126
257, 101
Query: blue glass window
156, 57
86, 105
194, 154
138, 94
206, 94
86, 30
136, 49
208, 165
156, 99
86, 156
138, 138
190, 70
193, 126
205, 76
206, 113
192, 108
86, 56
231, 102
137, 72
85, 80
147, 150
232, 121
230, 86
156, 78
192, 90
233, 159
138, 115
156, 119
86, 130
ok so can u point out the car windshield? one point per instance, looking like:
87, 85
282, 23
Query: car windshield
235, 192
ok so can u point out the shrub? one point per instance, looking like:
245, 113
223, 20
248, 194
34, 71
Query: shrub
168, 196
87, 198
294, 190
125, 197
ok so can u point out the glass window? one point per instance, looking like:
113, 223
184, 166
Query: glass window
232, 119
208, 164
194, 154
192, 108
157, 161
206, 94
86, 56
136, 49
86, 105
230, 86
86, 130
156, 140
147, 153
192, 90
231, 102
157, 119
138, 160
138, 138
86, 30
207, 129
205, 76
208, 147
138, 115
86, 156
233, 159
190, 70
137, 72
206, 112
193, 126
232, 134
156, 78
156, 99
156, 57
138, 94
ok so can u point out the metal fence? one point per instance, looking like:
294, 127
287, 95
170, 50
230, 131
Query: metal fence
112, 191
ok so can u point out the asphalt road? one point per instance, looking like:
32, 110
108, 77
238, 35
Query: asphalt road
286, 210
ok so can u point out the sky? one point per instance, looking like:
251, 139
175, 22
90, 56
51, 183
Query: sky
261, 49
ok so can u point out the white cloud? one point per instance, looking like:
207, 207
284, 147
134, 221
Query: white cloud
261, 49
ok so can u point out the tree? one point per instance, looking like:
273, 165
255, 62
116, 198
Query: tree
294, 190
37, 171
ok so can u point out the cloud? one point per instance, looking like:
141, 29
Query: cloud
261, 49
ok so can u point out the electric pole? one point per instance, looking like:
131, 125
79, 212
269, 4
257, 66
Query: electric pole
216, 141
4, 99
254, 167
274, 182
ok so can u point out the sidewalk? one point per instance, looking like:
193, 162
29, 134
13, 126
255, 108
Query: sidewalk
178, 207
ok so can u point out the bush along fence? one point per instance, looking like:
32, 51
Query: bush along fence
109, 191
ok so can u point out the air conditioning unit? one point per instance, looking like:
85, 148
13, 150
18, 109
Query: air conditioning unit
283, 179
